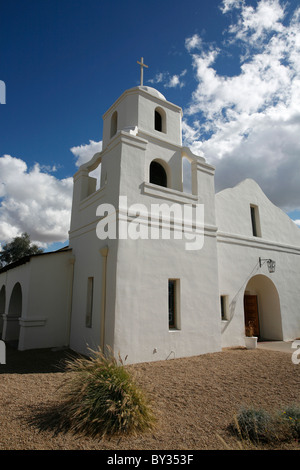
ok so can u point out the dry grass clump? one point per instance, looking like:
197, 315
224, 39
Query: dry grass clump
100, 397
259, 426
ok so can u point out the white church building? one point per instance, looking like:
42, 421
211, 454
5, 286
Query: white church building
152, 270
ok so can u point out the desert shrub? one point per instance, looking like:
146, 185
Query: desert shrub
256, 425
291, 414
101, 398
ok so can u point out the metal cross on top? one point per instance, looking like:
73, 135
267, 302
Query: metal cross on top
142, 69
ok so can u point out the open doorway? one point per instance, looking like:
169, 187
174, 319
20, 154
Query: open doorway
262, 308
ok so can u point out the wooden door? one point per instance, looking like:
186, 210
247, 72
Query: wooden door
251, 312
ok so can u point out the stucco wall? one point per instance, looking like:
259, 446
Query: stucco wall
46, 282
238, 259
142, 331
46, 320
90, 261
233, 214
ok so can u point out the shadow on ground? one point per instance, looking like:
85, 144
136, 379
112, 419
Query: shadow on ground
35, 360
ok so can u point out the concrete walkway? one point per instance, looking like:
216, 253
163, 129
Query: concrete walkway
283, 346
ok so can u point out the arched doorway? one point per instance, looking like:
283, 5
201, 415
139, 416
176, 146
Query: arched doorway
12, 330
2, 308
262, 308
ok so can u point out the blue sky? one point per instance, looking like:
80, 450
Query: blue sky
232, 65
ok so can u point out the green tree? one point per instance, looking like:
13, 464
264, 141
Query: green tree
17, 249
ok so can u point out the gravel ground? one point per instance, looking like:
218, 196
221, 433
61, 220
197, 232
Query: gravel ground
194, 399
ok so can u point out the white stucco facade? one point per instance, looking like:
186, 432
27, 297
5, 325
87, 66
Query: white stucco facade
35, 300
147, 287
239, 268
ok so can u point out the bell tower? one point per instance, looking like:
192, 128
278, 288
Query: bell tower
132, 278
145, 110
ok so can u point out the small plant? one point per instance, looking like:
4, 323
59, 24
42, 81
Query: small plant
292, 416
254, 425
249, 329
258, 426
102, 398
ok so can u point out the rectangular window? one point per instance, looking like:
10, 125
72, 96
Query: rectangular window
173, 304
224, 307
255, 221
89, 306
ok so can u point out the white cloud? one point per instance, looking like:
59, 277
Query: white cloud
254, 24
228, 5
169, 81
297, 222
159, 78
194, 42
33, 201
84, 153
248, 125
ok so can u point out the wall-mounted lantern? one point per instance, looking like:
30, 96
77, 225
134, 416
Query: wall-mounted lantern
270, 263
